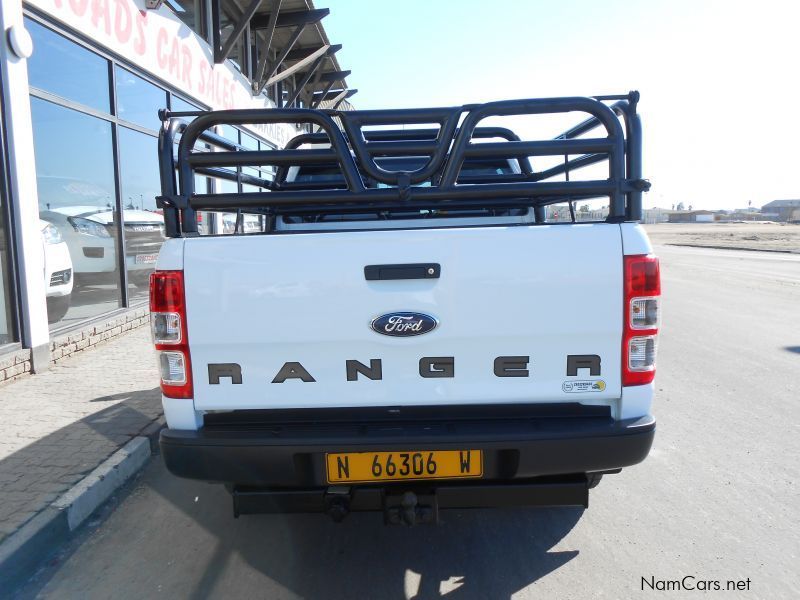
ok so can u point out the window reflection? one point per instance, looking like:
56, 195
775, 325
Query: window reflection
6, 328
230, 133
249, 142
77, 211
63, 68
190, 12
180, 105
226, 222
204, 218
144, 222
138, 101
78, 195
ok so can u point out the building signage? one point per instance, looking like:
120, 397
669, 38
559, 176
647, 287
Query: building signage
163, 46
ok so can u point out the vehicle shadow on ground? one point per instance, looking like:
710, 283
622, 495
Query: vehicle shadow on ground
36, 473
470, 554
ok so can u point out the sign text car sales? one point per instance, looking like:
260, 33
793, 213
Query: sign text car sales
127, 25
162, 45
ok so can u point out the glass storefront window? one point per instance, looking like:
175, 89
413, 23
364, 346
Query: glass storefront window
263, 171
144, 222
77, 211
230, 133
249, 142
190, 12
6, 329
226, 222
251, 223
138, 101
61, 67
179, 104
78, 190
204, 218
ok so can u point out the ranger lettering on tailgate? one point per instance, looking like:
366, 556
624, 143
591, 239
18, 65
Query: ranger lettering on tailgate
429, 367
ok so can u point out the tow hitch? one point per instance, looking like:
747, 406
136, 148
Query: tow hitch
410, 509
337, 503
404, 506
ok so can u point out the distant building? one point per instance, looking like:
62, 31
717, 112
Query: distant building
691, 216
655, 215
782, 210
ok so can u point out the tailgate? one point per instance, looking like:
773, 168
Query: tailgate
545, 292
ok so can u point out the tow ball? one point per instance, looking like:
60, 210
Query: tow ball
410, 509
337, 503
402, 508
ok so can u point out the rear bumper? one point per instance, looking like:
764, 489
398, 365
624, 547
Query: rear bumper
292, 455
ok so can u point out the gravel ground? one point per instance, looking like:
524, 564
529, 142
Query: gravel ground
773, 237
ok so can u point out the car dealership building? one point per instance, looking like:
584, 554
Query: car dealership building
82, 82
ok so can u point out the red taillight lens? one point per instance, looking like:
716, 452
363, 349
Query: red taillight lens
166, 291
642, 308
642, 276
168, 325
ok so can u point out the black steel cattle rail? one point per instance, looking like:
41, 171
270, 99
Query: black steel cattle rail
355, 145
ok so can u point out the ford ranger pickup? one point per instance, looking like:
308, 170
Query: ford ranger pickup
404, 326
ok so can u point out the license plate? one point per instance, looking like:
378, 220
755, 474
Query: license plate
146, 259
363, 467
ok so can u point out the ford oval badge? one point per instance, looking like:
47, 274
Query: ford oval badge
404, 324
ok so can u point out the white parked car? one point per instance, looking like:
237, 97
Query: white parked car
88, 231
58, 271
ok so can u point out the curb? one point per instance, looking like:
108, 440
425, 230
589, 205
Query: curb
94, 489
26, 549
743, 248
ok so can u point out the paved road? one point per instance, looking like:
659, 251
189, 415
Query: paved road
716, 500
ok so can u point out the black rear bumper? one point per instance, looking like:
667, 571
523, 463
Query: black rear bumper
291, 455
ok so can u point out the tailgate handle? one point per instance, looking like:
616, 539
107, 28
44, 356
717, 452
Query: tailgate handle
406, 271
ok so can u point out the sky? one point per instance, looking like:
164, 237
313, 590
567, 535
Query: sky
719, 81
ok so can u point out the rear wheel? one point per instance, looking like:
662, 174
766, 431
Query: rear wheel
592, 479
57, 307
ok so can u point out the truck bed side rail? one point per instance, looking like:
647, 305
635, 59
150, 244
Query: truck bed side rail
436, 184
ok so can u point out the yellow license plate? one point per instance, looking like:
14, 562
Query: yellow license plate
361, 467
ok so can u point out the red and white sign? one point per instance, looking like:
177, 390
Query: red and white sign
159, 43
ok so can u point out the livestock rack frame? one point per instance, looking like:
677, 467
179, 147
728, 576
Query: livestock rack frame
355, 149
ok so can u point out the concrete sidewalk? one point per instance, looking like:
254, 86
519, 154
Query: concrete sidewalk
56, 427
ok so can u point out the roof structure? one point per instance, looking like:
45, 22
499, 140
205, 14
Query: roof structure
286, 46
782, 204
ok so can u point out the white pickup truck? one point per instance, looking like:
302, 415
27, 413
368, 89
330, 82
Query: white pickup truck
408, 332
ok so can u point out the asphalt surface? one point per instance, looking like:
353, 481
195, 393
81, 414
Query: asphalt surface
717, 499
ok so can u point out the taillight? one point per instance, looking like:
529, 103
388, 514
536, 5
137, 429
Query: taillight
642, 318
168, 326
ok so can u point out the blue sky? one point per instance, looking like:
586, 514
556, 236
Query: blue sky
718, 80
